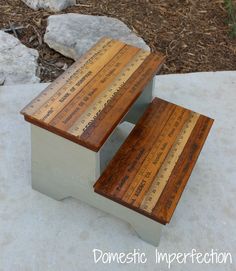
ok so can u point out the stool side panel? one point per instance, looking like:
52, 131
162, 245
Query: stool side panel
56, 160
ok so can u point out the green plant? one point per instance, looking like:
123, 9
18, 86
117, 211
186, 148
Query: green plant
231, 9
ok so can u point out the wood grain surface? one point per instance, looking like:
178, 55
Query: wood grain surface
87, 102
150, 170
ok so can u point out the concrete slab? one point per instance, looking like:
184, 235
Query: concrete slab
39, 233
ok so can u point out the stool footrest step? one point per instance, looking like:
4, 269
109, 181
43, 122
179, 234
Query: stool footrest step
149, 172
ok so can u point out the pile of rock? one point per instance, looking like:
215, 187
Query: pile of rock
69, 34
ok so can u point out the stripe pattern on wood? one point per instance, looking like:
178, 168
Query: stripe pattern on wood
150, 170
77, 104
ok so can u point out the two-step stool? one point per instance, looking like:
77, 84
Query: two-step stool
74, 117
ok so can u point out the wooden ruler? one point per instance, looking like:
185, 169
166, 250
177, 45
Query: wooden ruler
92, 55
134, 150
156, 156
131, 88
158, 185
77, 82
79, 104
102, 100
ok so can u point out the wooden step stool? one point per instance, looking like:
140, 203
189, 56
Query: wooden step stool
73, 121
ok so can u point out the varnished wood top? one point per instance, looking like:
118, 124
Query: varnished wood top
87, 102
149, 172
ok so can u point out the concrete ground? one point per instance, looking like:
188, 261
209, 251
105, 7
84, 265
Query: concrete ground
39, 233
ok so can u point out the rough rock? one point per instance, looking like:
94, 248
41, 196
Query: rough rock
73, 34
54, 5
18, 64
2, 79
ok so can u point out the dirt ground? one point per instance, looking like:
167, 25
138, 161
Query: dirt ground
193, 34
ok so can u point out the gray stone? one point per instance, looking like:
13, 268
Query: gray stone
18, 64
54, 5
2, 79
73, 34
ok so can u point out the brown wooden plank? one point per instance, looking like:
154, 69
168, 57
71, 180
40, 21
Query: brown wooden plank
159, 182
77, 105
107, 119
135, 148
76, 84
103, 100
150, 170
72, 110
154, 160
57, 84
168, 201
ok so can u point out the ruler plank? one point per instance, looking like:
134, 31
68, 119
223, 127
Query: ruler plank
76, 83
102, 100
134, 150
150, 170
168, 201
153, 162
78, 104
162, 177
37, 102
132, 88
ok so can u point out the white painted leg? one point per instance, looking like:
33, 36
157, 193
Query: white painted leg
146, 228
61, 168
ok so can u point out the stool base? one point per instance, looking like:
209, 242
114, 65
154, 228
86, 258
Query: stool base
61, 169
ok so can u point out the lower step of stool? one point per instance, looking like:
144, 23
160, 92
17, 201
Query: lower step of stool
149, 172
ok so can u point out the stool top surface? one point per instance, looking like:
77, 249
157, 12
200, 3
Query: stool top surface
89, 100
